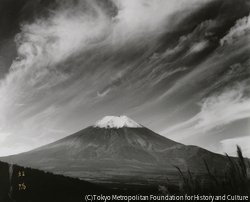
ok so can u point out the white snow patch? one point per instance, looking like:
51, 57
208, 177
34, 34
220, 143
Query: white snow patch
117, 122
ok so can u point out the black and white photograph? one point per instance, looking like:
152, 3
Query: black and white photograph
124, 100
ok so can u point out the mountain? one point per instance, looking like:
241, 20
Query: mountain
118, 151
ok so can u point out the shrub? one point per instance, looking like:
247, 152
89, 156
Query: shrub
235, 179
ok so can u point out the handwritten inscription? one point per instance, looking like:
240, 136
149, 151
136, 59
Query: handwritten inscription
22, 186
21, 174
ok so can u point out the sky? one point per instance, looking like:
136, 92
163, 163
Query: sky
180, 68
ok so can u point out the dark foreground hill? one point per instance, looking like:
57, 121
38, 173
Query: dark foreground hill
21, 184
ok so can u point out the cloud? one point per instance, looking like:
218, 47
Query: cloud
159, 77
144, 14
144, 18
229, 145
42, 46
241, 28
221, 109
216, 111
66, 31
197, 47
194, 42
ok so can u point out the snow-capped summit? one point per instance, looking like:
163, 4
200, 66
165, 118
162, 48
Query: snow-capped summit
117, 122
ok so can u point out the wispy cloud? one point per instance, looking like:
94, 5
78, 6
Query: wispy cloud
199, 46
229, 145
241, 28
144, 17
231, 105
216, 111
67, 57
